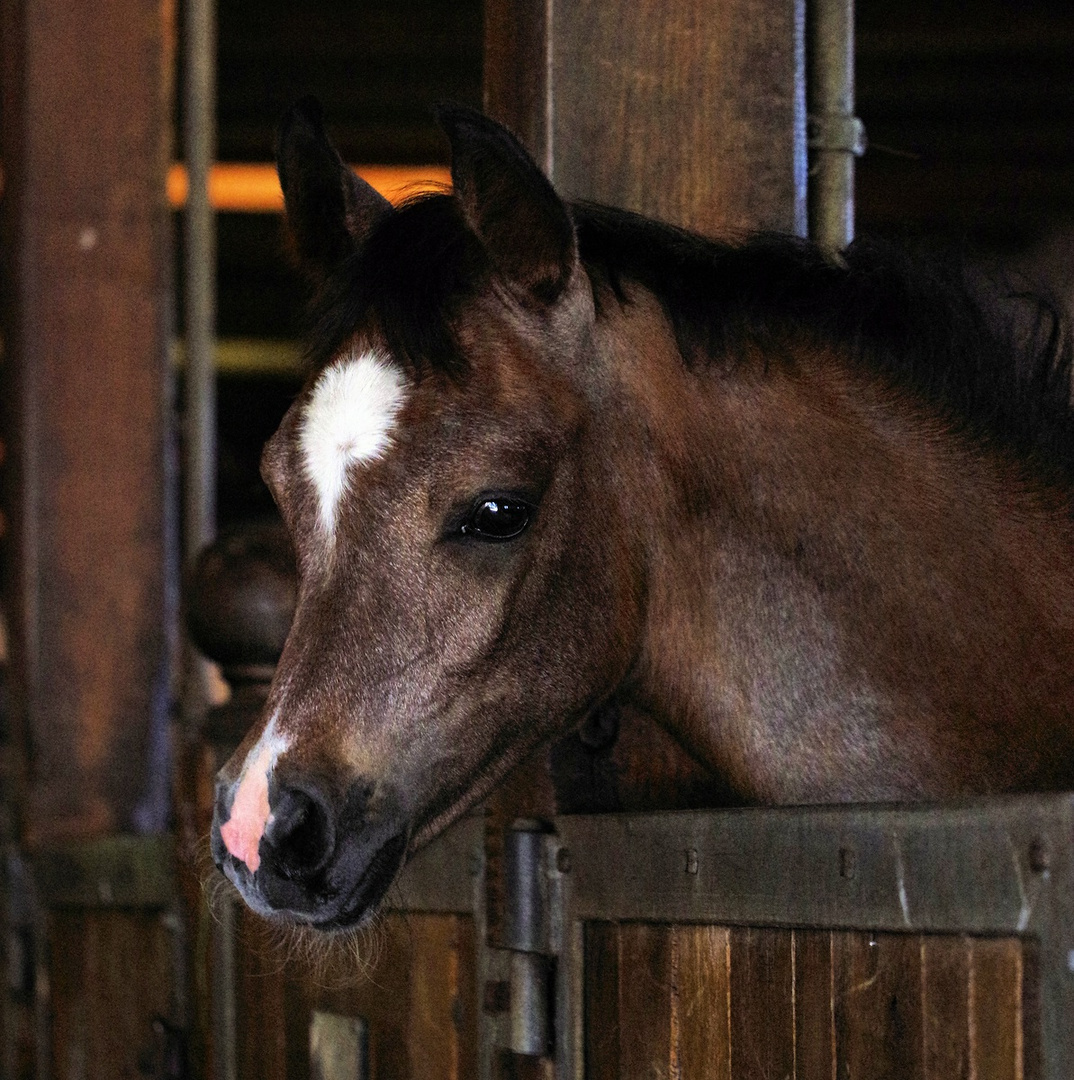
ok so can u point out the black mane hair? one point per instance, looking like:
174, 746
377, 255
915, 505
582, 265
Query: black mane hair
995, 364
407, 279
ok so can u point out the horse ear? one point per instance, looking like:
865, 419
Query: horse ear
526, 228
329, 209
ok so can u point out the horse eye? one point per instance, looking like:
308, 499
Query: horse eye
497, 519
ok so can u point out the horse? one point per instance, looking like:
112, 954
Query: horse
811, 513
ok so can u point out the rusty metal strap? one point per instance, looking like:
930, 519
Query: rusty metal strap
836, 131
113, 872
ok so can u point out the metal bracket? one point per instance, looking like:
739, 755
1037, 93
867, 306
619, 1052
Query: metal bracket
836, 131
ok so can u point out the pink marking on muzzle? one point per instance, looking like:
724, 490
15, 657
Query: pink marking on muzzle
242, 831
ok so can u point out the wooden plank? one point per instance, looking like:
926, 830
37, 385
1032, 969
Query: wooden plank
945, 1006
435, 1043
261, 1001
995, 1009
466, 1004
693, 112
110, 977
814, 1019
516, 42
762, 1004
878, 1019
644, 1001
601, 1001
411, 978
701, 1003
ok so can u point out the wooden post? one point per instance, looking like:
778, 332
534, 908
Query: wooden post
692, 112
86, 124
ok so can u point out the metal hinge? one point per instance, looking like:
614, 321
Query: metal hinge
519, 1002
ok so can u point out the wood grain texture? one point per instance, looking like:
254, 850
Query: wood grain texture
762, 1008
877, 1006
601, 1001
645, 965
945, 1007
110, 978
688, 112
995, 1008
720, 1003
701, 1003
814, 1018
517, 84
86, 321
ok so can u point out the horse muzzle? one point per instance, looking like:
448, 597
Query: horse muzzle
319, 858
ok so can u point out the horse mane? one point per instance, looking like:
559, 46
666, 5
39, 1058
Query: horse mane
992, 362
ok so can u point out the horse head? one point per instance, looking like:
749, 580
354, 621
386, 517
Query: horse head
467, 589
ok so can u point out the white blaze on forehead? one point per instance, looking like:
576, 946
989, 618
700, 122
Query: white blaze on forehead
250, 812
348, 420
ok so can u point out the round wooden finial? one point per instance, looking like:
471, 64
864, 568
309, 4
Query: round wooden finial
241, 595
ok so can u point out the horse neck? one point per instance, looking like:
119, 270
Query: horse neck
845, 600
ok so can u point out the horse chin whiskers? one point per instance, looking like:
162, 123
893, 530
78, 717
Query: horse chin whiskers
334, 959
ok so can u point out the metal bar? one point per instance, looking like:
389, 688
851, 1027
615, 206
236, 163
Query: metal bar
199, 478
248, 188
199, 137
225, 1014
440, 877
836, 136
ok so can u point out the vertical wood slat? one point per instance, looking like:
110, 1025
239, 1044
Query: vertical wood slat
878, 1005
814, 1018
762, 1005
262, 1034
995, 1008
412, 979
701, 1001
601, 1001
111, 977
645, 965
717, 1003
945, 1007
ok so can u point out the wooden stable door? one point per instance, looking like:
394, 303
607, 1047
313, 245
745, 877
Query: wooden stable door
845, 942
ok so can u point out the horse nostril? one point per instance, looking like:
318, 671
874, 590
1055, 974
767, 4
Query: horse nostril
299, 834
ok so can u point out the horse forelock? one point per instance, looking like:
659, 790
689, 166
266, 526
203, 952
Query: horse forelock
405, 284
